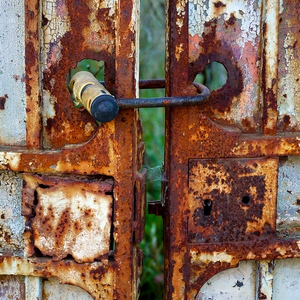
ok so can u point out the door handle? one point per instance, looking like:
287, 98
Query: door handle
104, 107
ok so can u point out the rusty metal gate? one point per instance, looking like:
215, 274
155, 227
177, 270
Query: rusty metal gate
72, 192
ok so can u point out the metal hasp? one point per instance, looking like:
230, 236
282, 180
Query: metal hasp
222, 158
104, 107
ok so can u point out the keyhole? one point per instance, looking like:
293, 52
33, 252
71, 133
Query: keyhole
246, 199
207, 205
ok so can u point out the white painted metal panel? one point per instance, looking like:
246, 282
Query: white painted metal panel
286, 285
288, 201
12, 73
53, 290
11, 221
232, 284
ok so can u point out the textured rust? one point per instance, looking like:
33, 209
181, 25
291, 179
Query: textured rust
60, 227
68, 125
3, 101
231, 194
219, 211
32, 77
214, 49
219, 4
95, 278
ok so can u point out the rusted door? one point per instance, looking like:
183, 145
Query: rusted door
232, 196
72, 199
71, 194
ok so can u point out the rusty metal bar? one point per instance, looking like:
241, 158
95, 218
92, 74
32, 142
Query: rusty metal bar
32, 60
152, 84
270, 66
167, 101
89, 92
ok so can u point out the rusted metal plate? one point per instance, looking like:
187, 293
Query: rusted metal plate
12, 74
238, 196
238, 120
66, 215
75, 216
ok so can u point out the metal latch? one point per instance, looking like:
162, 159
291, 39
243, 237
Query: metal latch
103, 106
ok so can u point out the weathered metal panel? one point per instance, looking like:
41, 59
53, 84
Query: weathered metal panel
12, 287
96, 278
59, 34
94, 38
11, 221
229, 32
286, 284
288, 201
237, 123
238, 196
288, 66
33, 288
65, 215
12, 74
53, 290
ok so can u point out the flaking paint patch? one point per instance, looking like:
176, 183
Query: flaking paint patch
58, 24
48, 106
178, 51
212, 257
11, 159
69, 214
249, 18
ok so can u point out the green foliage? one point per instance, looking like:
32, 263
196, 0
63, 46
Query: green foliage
152, 57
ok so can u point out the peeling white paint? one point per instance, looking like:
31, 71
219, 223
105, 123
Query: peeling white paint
11, 159
199, 257
288, 104
204, 11
87, 213
286, 284
57, 26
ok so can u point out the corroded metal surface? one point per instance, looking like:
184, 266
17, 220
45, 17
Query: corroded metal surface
12, 287
65, 215
53, 290
288, 66
221, 157
96, 278
82, 226
11, 221
236, 195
